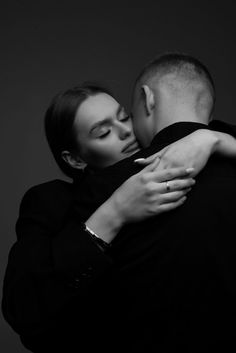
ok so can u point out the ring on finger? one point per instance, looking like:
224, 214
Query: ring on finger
167, 186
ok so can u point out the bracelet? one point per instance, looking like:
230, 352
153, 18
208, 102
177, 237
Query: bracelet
99, 241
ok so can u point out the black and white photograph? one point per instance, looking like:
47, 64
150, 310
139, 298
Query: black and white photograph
118, 141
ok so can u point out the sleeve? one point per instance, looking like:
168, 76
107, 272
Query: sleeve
52, 263
222, 126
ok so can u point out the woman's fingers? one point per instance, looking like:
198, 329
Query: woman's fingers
174, 196
177, 184
151, 166
172, 205
169, 174
148, 160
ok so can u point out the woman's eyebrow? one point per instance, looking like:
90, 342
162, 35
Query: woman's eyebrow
99, 124
119, 109
106, 120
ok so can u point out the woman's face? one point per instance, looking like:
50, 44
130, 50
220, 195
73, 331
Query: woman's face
104, 131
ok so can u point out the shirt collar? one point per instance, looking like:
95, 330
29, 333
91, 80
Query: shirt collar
175, 132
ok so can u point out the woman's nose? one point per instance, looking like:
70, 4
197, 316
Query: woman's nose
125, 131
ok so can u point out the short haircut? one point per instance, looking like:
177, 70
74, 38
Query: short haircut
59, 120
180, 64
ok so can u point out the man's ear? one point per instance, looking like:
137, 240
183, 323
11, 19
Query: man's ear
73, 161
148, 97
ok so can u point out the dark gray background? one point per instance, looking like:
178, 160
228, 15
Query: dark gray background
47, 47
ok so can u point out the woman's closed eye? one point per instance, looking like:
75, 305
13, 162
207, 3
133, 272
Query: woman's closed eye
103, 134
125, 118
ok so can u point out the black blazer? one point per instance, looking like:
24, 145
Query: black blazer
59, 286
52, 263
174, 275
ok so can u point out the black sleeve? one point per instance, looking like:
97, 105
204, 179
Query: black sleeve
52, 262
222, 126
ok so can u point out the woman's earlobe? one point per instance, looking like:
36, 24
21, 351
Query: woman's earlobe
73, 161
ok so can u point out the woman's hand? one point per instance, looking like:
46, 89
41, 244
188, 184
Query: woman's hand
151, 192
145, 194
193, 150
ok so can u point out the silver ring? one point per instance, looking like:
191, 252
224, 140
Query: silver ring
167, 186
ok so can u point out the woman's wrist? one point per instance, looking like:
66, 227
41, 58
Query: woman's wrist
103, 245
226, 144
106, 221
212, 139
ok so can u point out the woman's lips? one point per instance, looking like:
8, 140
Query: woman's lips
130, 147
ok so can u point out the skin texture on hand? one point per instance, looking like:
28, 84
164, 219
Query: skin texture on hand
193, 150
143, 189
143, 195
146, 194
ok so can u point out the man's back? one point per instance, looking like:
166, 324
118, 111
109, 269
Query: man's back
174, 278
193, 262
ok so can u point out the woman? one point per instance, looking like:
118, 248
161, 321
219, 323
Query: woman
87, 128
57, 264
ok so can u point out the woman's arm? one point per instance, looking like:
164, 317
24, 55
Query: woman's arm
143, 195
194, 150
226, 144
54, 260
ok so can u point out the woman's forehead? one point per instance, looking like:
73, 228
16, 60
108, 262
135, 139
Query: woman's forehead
96, 108
98, 104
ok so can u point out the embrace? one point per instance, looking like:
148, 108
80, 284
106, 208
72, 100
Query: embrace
138, 253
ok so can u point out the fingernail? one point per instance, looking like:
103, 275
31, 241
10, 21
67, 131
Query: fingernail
189, 170
139, 160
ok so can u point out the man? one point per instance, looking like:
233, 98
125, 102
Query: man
176, 273
173, 96
130, 309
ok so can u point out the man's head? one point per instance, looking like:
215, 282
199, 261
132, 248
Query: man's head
173, 87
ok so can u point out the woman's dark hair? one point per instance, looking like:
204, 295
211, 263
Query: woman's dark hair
59, 120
